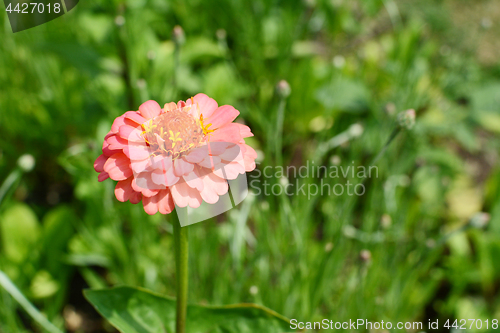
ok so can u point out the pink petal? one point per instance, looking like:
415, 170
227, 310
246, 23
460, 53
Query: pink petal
165, 202
206, 104
118, 167
232, 154
227, 133
182, 167
245, 131
197, 155
230, 170
144, 184
210, 162
103, 176
116, 142
137, 151
140, 166
150, 204
248, 150
135, 117
132, 134
169, 106
161, 162
195, 199
106, 151
194, 181
223, 115
249, 156
183, 195
209, 196
136, 197
249, 164
213, 187
123, 190
164, 177
117, 123
110, 133
150, 109
99, 163
217, 148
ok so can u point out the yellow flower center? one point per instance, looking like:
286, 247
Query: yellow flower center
173, 133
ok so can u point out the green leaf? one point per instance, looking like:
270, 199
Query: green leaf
490, 121
20, 229
344, 94
43, 285
133, 310
57, 232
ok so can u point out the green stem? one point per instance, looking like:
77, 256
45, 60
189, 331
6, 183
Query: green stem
393, 135
279, 130
9, 183
181, 267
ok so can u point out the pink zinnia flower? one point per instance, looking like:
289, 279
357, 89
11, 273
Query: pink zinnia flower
182, 154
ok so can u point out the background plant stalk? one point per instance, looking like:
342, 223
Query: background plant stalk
181, 268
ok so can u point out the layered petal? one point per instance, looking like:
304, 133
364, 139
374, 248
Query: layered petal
103, 176
206, 105
135, 116
213, 187
116, 142
99, 163
222, 115
150, 109
117, 123
124, 190
230, 170
249, 156
182, 167
118, 167
227, 133
150, 204
136, 198
144, 184
197, 155
184, 195
132, 134
165, 202
138, 154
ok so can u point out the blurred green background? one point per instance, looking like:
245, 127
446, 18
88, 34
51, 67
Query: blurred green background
412, 248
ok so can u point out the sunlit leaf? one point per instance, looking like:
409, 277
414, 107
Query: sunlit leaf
133, 310
20, 230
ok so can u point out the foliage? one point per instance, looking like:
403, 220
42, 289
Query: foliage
135, 310
348, 63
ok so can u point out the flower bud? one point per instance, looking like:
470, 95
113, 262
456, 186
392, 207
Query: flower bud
254, 290
178, 35
355, 130
26, 162
406, 119
386, 221
119, 20
479, 220
365, 256
283, 89
221, 34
